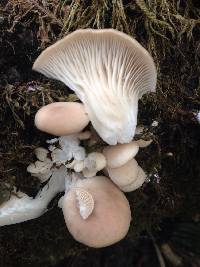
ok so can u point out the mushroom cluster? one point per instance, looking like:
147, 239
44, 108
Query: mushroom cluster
109, 71
122, 168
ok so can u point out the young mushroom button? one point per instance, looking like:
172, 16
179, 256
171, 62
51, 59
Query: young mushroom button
118, 155
62, 118
109, 71
128, 177
138, 182
94, 162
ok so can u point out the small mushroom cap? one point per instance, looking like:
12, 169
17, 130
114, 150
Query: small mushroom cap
125, 174
41, 153
109, 71
62, 118
95, 160
79, 166
110, 219
138, 182
117, 156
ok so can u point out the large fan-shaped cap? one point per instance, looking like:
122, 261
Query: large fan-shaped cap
109, 71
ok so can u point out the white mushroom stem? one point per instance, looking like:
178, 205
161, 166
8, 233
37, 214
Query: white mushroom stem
42, 177
20, 207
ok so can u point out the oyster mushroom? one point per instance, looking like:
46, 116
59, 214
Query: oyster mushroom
78, 166
128, 177
94, 162
62, 118
96, 212
41, 153
118, 155
135, 184
109, 71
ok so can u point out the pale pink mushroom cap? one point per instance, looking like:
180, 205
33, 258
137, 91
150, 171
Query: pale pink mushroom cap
118, 155
128, 177
62, 118
110, 219
109, 71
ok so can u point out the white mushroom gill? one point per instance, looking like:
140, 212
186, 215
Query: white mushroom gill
85, 202
109, 71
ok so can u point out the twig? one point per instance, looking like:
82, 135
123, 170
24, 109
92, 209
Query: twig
170, 255
158, 252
